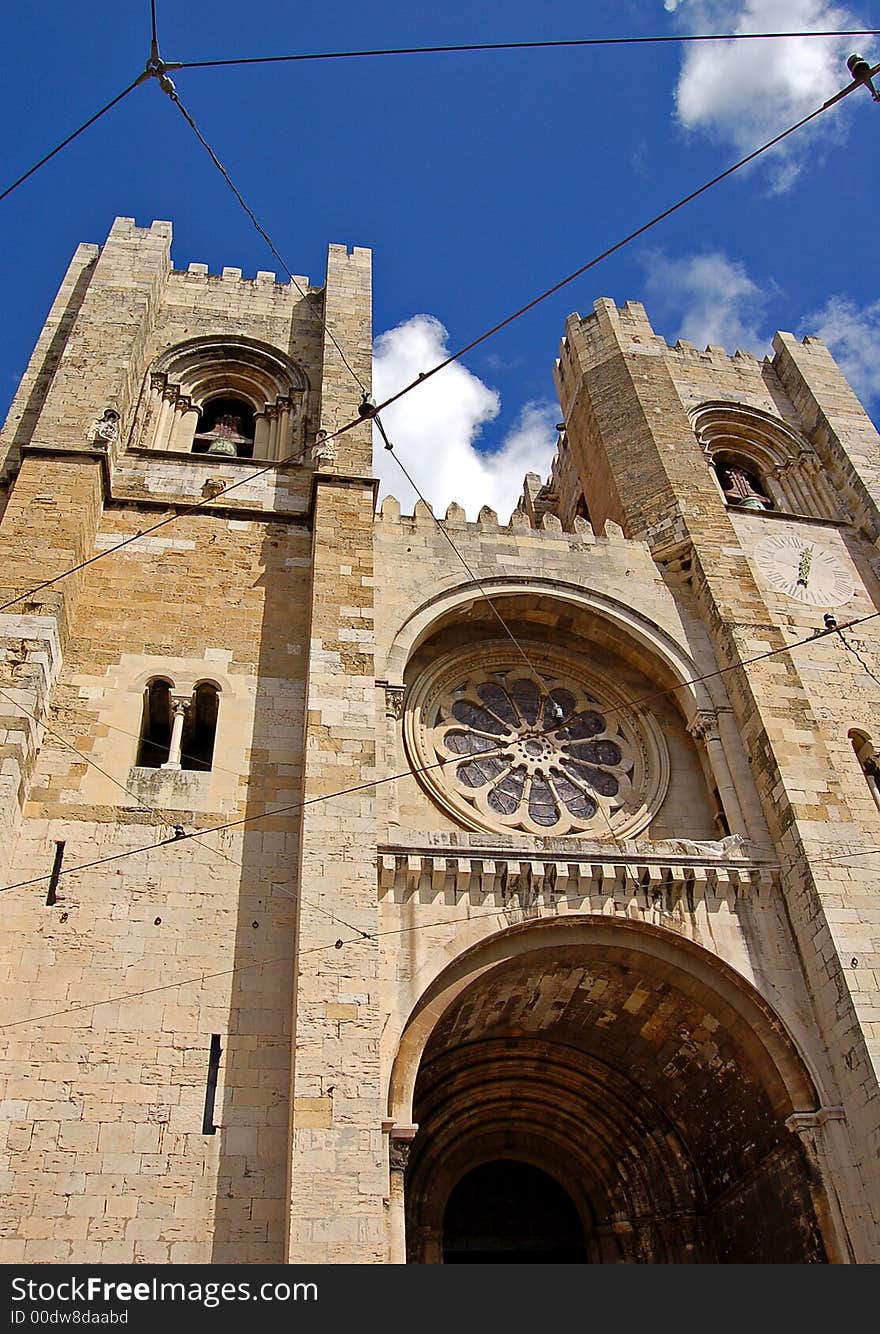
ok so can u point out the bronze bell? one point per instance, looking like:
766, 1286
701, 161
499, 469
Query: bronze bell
861, 72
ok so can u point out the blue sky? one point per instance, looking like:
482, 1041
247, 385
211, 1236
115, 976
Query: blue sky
476, 179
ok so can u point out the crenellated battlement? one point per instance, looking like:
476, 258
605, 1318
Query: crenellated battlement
579, 534
230, 274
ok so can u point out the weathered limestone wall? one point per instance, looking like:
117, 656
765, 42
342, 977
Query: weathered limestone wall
555, 575
339, 1177
666, 491
110, 1097
445, 889
148, 955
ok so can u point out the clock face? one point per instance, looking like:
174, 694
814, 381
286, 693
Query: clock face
804, 570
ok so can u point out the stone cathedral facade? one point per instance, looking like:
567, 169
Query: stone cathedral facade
363, 907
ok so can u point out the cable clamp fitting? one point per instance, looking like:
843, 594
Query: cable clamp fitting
157, 68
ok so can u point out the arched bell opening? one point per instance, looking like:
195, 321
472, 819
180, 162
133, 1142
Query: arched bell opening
226, 425
645, 1096
741, 483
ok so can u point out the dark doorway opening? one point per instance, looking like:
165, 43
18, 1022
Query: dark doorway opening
508, 1212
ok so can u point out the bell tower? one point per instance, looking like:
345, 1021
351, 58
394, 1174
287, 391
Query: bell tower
755, 485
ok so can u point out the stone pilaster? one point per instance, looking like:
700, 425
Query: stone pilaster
338, 1107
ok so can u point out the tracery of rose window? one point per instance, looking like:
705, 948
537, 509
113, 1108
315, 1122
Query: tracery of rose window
554, 751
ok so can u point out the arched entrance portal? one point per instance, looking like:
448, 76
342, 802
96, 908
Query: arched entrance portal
655, 1110
508, 1212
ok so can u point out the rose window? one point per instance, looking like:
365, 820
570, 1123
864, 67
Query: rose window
543, 752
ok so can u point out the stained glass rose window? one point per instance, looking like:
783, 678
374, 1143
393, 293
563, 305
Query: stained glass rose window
545, 752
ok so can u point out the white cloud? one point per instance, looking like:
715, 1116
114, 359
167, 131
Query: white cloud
435, 428
742, 93
853, 337
711, 299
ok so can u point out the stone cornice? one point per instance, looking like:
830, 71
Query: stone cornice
481, 872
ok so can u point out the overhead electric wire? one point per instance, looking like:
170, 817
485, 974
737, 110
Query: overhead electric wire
415, 771
591, 789
175, 98
410, 929
619, 245
151, 810
455, 356
70, 138
444, 530
26, 713
201, 506
595, 795
558, 44
197, 507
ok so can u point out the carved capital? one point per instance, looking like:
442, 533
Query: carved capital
283, 403
158, 381
183, 403
705, 726
170, 393
181, 705
271, 412
808, 1124
398, 1154
394, 697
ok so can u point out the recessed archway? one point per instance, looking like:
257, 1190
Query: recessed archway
653, 1098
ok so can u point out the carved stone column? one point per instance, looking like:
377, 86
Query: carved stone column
394, 697
180, 707
867, 758
704, 729
261, 436
399, 1144
272, 416
282, 444
776, 489
813, 1129
183, 426
169, 398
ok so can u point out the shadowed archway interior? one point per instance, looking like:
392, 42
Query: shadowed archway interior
645, 1099
509, 1212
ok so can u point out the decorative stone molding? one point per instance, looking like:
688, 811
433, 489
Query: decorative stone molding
394, 698
705, 726
398, 1154
400, 1138
106, 431
180, 707
504, 876
186, 379
807, 1123
323, 451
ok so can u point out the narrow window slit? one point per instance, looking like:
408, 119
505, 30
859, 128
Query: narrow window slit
56, 872
208, 1127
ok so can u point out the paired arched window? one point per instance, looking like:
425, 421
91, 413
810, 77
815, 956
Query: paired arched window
178, 730
227, 396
